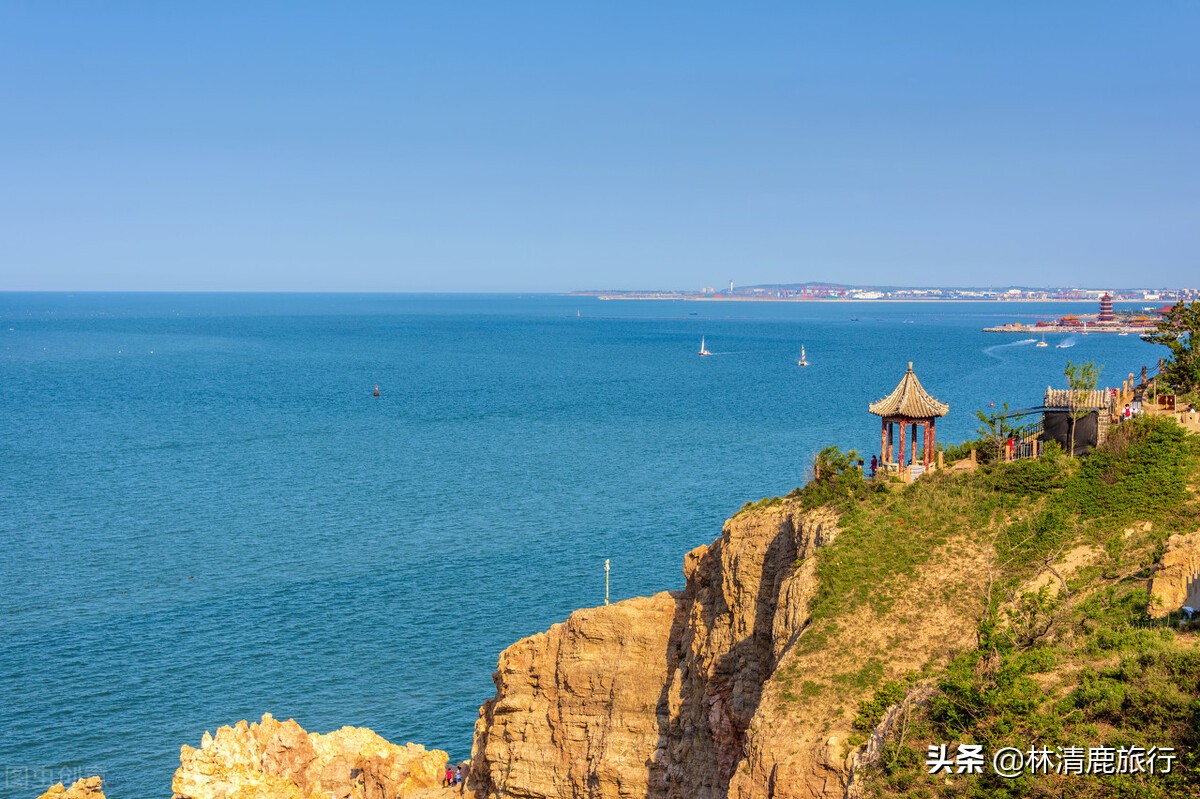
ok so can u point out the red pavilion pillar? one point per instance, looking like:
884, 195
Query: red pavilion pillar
883, 441
933, 439
901, 461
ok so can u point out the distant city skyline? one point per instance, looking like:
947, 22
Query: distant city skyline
820, 290
559, 147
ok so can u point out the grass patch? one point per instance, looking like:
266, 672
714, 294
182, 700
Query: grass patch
1077, 668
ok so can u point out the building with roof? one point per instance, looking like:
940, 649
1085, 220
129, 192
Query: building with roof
1088, 412
910, 407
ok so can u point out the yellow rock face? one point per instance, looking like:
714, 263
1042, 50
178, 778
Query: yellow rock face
87, 788
685, 695
281, 761
1176, 574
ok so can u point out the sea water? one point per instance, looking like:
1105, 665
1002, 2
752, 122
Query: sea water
205, 514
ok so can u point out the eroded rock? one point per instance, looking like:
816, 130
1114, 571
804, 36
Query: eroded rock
86, 788
280, 760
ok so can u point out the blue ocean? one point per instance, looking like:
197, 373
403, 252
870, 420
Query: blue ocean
205, 514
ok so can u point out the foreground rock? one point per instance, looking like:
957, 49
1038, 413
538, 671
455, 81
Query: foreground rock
87, 788
281, 761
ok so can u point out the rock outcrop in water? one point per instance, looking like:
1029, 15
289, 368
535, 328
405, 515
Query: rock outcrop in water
280, 760
87, 788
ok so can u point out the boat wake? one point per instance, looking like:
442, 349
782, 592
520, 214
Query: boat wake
1062, 345
991, 351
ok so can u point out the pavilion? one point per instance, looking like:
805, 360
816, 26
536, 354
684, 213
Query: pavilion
909, 405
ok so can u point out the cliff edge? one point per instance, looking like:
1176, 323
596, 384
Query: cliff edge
828, 638
690, 695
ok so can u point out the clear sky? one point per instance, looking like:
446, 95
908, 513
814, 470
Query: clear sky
553, 146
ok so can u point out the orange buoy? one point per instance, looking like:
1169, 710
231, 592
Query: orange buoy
376, 391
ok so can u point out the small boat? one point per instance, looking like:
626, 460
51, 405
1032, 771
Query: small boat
803, 358
703, 349
1042, 343
1062, 346
1124, 332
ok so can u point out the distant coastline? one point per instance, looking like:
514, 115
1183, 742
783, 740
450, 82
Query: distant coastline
838, 292
671, 297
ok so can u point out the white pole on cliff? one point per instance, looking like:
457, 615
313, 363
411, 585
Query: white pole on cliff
606, 581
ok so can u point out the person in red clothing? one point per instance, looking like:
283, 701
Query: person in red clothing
448, 780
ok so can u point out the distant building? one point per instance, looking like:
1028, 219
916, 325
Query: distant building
1106, 309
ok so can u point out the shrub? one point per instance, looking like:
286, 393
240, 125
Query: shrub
1028, 477
1141, 472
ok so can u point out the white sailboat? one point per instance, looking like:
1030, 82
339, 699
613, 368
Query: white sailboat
803, 358
1042, 343
703, 349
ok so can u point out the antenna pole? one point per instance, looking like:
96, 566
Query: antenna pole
606, 581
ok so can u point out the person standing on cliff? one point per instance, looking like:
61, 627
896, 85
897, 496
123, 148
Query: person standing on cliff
874, 465
465, 769
448, 780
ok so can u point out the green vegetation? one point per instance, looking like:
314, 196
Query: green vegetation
993, 433
1178, 332
765, 502
837, 480
886, 535
1070, 659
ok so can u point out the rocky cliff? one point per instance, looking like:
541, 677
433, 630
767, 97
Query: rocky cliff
280, 760
580, 708
691, 695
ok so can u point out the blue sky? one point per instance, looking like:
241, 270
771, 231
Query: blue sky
555, 146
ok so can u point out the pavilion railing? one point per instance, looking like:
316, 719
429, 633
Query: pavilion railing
1027, 441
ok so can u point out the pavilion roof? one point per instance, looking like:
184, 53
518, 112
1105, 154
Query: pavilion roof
1066, 398
909, 399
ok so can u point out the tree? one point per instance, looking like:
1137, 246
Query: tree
1177, 331
831, 461
1081, 380
994, 431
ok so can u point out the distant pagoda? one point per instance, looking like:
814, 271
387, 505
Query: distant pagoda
1106, 309
909, 404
